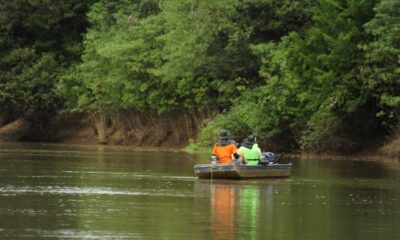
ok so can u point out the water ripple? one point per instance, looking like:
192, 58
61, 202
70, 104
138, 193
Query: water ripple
12, 190
73, 234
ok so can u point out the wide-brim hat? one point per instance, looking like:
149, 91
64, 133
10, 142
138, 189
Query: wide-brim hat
224, 135
251, 138
247, 143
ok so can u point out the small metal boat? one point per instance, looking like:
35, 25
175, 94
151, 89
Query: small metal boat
238, 171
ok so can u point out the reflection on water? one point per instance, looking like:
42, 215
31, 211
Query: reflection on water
239, 209
225, 199
249, 208
222, 211
75, 193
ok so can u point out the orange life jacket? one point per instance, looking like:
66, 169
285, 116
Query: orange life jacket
224, 153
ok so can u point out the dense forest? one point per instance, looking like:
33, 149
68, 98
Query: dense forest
309, 75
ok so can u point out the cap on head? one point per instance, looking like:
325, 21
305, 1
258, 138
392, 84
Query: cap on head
224, 135
251, 138
249, 141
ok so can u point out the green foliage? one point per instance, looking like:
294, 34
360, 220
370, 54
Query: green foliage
313, 70
38, 39
246, 116
313, 82
207, 49
382, 66
26, 88
180, 55
118, 60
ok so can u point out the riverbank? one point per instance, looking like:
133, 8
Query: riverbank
392, 148
80, 131
68, 131
172, 132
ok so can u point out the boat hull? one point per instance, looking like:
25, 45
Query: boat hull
232, 171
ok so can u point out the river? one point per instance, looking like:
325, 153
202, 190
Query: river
69, 192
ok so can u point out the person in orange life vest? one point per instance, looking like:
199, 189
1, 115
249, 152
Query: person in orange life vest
224, 150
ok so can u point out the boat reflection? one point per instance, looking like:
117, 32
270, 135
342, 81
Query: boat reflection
239, 207
222, 211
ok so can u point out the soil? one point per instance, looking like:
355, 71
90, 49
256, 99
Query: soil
21, 130
77, 130
14, 131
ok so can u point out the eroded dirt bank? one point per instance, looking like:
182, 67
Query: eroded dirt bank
169, 132
92, 130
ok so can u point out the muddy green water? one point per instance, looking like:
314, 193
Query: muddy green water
61, 192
